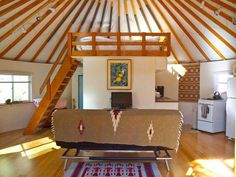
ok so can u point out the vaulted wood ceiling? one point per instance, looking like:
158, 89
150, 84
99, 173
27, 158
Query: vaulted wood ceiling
36, 30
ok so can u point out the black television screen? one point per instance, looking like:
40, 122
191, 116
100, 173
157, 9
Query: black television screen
121, 100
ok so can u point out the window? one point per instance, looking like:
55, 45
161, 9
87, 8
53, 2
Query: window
15, 87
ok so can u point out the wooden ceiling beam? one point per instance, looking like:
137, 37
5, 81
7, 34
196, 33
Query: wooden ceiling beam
224, 5
3, 3
13, 7
206, 25
135, 15
173, 31
34, 25
232, 1
127, 15
20, 13
224, 27
70, 25
64, 35
211, 7
86, 15
185, 31
160, 28
54, 66
197, 30
144, 16
110, 20
53, 32
153, 15
103, 15
119, 12
94, 16
175, 57
22, 22
39, 33
62, 52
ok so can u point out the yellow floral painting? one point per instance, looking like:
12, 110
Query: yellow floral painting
119, 74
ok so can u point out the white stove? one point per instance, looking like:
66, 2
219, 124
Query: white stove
211, 115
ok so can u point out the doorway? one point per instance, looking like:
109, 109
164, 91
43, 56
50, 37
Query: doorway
80, 91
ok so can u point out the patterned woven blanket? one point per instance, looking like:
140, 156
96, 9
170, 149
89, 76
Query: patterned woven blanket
130, 127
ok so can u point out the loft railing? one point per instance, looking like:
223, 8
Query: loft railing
118, 44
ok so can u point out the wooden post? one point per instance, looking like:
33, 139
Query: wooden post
144, 44
168, 46
118, 44
94, 44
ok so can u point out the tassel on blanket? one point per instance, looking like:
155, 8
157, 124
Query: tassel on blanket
180, 131
52, 127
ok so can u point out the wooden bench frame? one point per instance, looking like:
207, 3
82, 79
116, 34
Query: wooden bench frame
158, 155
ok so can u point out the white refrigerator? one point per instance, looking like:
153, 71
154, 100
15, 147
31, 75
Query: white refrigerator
231, 108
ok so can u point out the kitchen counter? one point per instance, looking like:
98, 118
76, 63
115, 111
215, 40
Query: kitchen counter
165, 99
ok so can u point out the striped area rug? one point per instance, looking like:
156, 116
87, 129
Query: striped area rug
113, 169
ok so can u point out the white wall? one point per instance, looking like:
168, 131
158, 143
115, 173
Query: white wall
96, 95
189, 111
207, 75
74, 86
17, 116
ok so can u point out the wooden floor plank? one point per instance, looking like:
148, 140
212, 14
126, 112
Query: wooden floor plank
194, 145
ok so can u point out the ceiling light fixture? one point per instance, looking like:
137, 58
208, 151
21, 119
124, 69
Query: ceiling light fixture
38, 17
234, 20
217, 11
23, 29
202, 3
52, 9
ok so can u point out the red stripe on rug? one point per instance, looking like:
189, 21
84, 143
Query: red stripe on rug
78, 168
148, 170
84, 172
139, 171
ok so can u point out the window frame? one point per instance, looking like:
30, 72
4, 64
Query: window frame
29, 82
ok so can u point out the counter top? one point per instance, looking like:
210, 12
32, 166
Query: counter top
165, 99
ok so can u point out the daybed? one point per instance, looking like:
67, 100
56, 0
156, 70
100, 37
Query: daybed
134, 129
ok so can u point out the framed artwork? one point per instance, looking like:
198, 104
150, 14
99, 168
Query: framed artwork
119, 74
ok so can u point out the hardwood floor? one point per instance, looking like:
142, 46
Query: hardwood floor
199, 154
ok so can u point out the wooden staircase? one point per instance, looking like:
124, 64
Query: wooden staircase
53, 93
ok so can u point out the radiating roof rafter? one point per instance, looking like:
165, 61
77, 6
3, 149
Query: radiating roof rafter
36, 30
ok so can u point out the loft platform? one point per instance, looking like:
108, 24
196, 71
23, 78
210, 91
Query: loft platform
118, 44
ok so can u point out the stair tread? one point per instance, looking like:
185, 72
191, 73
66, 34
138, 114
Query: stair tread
51, 105
66, 79
63, 78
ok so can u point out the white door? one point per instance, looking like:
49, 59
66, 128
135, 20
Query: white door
230, 117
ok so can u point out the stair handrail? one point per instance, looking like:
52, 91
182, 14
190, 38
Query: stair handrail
47, 80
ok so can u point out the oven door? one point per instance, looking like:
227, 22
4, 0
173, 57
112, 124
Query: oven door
205, 112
